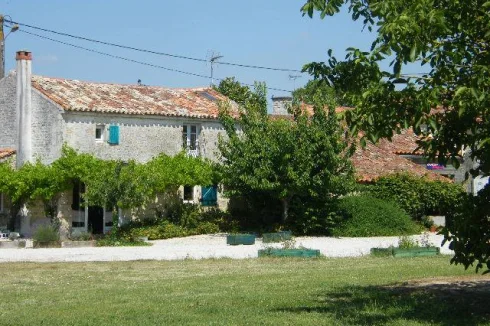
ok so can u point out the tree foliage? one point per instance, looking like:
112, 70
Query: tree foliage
305, 156
450, 40
418, 196
108, 183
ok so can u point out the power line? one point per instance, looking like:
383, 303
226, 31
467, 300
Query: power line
136, 61
151, 51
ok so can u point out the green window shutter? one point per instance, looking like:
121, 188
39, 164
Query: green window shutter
114, 135
209, 196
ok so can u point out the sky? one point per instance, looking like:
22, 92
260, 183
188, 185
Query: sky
270, 33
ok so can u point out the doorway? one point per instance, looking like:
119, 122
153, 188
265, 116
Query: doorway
95, 219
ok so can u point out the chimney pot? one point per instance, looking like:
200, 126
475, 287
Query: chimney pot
23, 55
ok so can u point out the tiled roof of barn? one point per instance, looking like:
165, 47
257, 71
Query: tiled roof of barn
404, 143
75, 95
373, 162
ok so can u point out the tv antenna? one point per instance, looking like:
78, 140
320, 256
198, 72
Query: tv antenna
212, 60
293, 78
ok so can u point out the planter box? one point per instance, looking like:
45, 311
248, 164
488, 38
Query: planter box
47, 244
304, 253
401, 252
276, 237
240, 239
78, 244
416, 252
382, 252
14, 244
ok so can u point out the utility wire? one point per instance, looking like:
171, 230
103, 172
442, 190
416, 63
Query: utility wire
150, 51
136, 61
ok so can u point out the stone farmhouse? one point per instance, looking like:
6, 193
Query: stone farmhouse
131, 122
127, 122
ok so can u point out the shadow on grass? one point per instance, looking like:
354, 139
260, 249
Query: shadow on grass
435, 302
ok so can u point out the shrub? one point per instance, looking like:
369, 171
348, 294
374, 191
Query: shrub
81, 236
312, 217
365, 216
418, 196
46, 233
405, 242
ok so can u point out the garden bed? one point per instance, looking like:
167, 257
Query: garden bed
276, 237
47, 244
304, 253
240, 239
78, 244
405, 252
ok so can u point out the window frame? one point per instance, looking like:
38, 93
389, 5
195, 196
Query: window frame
187, 134
187, 199
102, 133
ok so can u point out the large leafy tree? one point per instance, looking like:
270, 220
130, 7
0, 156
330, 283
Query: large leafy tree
305, 156
449, 105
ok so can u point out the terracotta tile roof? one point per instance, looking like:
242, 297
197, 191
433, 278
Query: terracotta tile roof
6, 152
75, 95
373, 162
404, 143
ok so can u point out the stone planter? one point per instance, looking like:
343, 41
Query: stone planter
416, 252
142, 239
303, 253
276, 237
78, 244
15, 244
47, 244
240, 239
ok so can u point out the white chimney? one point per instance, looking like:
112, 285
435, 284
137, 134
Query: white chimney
24, 109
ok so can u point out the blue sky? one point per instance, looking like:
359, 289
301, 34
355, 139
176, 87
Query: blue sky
255, 32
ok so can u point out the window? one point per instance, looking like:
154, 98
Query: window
188, 193
209, 196
99, 133
189, 137
77, 200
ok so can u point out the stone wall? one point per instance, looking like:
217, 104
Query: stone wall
8, 129
47, 128
140, 138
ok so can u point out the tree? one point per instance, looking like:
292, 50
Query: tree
448, 106
305, 156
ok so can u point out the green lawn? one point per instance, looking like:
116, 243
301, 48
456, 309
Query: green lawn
353, 291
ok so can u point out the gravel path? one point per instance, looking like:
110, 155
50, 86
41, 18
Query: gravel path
201, 247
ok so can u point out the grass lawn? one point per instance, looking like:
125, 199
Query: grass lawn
268, 291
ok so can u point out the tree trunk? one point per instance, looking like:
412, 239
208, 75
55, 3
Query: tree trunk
285, 209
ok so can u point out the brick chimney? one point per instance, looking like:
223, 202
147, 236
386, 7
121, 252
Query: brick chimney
281, 104
24, 108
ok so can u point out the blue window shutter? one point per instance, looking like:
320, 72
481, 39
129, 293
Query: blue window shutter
209, 196
114, 135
